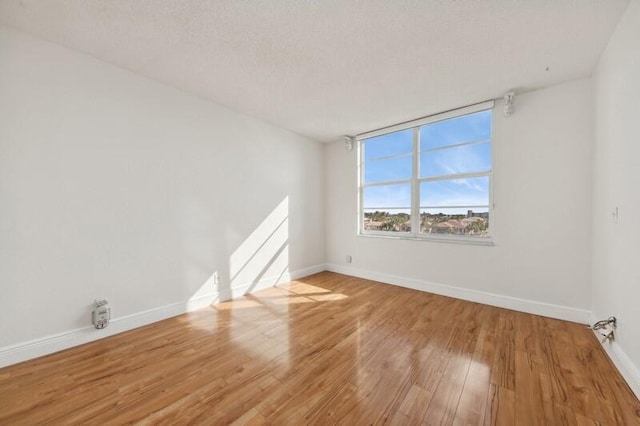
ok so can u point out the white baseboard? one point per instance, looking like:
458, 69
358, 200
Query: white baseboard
56, 342
533, 307
237, 291
629, 371
30, 349
305, 272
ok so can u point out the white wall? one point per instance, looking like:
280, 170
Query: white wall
541, 221
616, 181
114, 186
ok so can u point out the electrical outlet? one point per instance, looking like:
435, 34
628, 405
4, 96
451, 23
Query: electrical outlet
614, 215
101, 314
216, 278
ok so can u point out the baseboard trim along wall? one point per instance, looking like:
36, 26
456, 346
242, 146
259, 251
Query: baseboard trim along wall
529, 306
24, 351
622, 361
53, 343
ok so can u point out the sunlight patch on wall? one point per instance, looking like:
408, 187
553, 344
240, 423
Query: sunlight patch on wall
264, 255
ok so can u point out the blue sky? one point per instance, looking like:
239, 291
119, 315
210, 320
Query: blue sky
438, 157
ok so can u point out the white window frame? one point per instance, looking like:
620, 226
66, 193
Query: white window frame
416, 180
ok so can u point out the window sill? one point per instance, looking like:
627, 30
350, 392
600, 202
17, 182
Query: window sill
450, 240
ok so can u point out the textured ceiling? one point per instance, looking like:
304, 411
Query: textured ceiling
324, 68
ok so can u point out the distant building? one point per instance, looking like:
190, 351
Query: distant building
371, 225
484, 215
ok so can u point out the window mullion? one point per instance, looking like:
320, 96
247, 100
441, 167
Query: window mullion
387, 183
415, 186
455, 176
361, 153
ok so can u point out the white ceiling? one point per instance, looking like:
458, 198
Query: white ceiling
324, 68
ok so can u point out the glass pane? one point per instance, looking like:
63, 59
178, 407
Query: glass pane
455, 221
389, 144
455, 192
399, 168
394, 220
466, 128
387, 196
458, 159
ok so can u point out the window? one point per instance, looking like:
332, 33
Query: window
429, 178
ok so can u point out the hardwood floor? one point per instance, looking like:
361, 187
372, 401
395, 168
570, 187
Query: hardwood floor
329, 349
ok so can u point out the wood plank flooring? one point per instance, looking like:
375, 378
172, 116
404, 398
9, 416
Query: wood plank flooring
329, 349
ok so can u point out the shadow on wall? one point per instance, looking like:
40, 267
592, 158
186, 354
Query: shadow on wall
262, 259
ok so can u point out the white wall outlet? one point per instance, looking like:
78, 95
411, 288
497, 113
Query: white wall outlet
348, 258
614, 215
216, 278
101, 314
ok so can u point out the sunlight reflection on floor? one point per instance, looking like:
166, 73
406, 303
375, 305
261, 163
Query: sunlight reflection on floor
261, 319
302, 288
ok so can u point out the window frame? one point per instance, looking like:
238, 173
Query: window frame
415, 180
